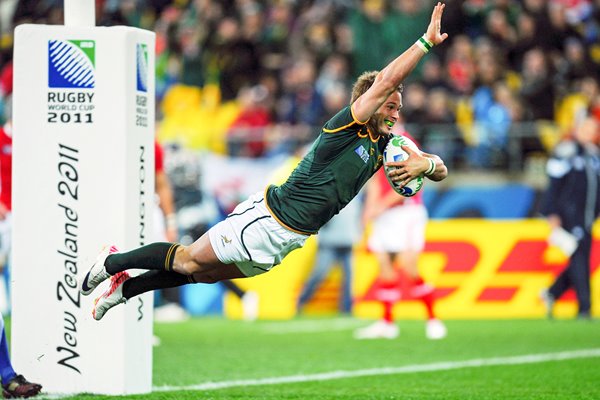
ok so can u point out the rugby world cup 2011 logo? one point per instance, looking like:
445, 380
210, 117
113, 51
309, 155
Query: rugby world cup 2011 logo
142, 67
71, 64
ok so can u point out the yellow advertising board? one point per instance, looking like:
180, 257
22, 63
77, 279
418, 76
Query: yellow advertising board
480, 269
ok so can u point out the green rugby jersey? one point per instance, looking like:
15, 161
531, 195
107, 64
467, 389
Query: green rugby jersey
341, 160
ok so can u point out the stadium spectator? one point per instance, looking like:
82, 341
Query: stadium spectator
168, 60
232, 59
575, 105
455, 21
500, 32
276, 32
406, 20
245, 137
371, 38
319, 40
538, 9
492, 116
335, 97
310, 34
335, 72
300, 102
414, 106
554, 36
440, 134
336, 240
256, 237
537, 88
576, 63
397, 239
433, 74
572, 204
527, 39
460, 65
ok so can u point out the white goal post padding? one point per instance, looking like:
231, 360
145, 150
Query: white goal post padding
83, 177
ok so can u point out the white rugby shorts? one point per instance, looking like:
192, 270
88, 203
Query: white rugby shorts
399, 229
252, 239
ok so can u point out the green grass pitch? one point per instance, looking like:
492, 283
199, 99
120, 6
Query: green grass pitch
214, 358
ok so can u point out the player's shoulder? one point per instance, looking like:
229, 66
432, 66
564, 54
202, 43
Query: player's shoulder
342, 120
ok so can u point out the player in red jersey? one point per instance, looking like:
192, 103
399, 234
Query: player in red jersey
397, 238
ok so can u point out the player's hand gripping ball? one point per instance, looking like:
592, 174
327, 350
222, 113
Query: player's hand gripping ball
393, 153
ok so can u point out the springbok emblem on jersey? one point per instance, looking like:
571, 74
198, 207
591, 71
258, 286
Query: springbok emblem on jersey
225, 240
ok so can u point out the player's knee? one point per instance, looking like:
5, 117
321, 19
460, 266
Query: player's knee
184, 263
190, 268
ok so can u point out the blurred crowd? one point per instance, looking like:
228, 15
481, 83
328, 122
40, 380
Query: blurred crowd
258, 77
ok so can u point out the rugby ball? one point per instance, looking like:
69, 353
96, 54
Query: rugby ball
393, 152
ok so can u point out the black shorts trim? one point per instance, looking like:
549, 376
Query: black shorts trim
242, 235
248, 209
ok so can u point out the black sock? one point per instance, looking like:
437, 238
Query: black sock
153, 280
234, 288
158, 256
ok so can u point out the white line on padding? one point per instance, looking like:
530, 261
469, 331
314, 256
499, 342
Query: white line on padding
407, 369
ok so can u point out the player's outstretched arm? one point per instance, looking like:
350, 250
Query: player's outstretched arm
396, 71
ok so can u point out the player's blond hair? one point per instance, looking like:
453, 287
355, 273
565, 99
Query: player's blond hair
364, 82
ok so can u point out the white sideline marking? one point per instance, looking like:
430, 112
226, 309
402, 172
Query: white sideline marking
311, 326
407, 369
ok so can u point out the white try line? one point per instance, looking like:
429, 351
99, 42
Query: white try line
311, 326
407, 369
